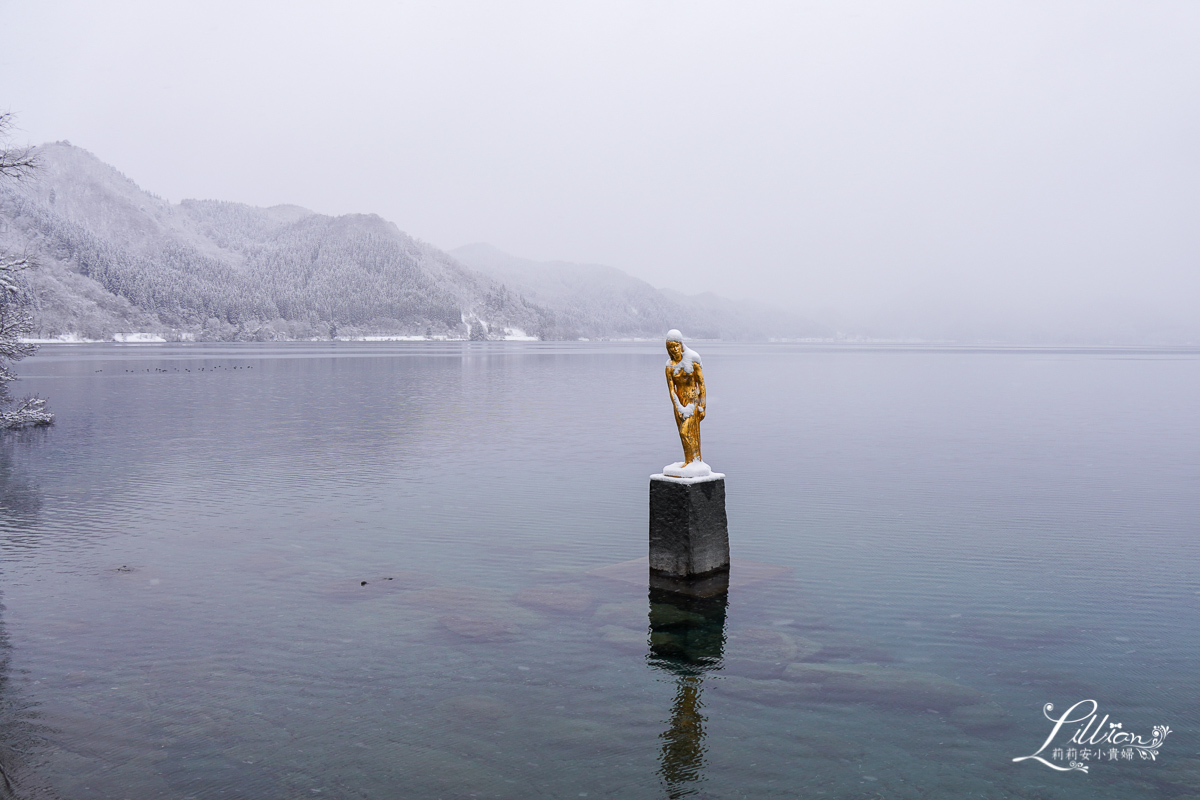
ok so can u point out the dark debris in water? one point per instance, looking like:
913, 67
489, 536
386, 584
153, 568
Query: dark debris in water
355, 589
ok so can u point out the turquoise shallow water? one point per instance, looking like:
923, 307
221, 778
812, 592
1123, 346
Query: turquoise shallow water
970, 534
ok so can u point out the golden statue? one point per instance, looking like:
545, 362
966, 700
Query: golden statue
685, 384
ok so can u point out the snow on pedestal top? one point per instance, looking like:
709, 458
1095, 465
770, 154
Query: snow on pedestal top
695, 472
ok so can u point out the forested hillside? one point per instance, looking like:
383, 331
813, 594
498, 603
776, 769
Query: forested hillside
116, 259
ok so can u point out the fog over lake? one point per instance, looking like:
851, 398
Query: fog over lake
1022, 172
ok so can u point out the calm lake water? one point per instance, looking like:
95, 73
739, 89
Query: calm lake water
969, 534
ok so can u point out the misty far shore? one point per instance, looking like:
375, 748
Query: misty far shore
121, 264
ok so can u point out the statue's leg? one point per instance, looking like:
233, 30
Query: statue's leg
689, 434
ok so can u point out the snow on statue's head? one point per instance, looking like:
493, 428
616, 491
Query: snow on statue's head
681, 355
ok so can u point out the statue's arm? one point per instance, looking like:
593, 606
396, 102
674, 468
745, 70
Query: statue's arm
700, 397
675, 404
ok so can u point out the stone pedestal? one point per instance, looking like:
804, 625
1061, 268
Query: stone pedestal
689, 533
710, 584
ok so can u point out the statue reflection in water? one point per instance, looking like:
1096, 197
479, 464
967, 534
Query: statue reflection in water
687, 639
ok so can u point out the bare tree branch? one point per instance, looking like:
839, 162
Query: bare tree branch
30, 411
15, 321
16, 163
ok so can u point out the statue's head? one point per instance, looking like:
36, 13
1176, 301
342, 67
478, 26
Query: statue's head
675, 344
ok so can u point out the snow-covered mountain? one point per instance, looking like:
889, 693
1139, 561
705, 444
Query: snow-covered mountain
117, 259
595, 301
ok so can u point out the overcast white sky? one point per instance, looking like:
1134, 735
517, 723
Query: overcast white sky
1006, 165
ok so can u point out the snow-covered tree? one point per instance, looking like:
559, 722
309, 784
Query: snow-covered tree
16, 322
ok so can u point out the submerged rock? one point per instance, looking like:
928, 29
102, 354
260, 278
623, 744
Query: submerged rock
629, 614
1051, 682
480, 628
456, 598
627, 639
769, 692
559, 598
885, 686
846, 647
763, 652
873, 685
1016, 630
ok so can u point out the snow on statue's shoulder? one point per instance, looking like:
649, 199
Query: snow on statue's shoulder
695, 472
689, 358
